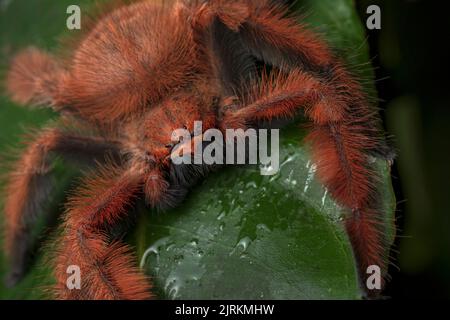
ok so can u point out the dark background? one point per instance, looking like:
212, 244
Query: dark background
412, 65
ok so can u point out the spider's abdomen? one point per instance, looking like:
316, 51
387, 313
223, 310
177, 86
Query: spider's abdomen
132, 58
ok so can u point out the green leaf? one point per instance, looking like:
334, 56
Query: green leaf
239, 235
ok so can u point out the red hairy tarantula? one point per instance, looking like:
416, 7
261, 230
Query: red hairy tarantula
144, 70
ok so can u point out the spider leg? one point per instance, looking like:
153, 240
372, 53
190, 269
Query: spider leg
236, 33
106, 266
29, 185
264, 30
267, 31
340, 141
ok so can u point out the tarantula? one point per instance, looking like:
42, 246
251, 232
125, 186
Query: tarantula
146, 69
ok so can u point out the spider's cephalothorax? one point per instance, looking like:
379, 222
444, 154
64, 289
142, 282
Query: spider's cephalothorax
145, 70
